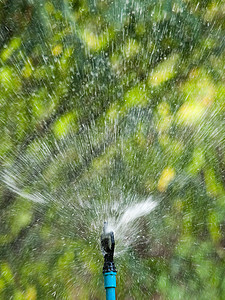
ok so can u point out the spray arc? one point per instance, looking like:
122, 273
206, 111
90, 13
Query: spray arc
109, 269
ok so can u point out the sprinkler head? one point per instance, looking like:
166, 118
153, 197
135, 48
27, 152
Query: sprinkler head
107, 247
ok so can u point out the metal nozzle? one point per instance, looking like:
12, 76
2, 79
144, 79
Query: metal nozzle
107, 247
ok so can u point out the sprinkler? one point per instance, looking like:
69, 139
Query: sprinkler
109, 269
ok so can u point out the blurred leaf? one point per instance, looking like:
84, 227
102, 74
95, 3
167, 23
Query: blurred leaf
62, 126
166, 177
164, 71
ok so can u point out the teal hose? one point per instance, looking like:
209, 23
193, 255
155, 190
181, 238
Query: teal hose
110, 285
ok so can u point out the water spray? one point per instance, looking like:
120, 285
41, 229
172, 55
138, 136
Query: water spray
109, 269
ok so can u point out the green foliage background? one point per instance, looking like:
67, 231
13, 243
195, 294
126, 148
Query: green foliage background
104, 98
